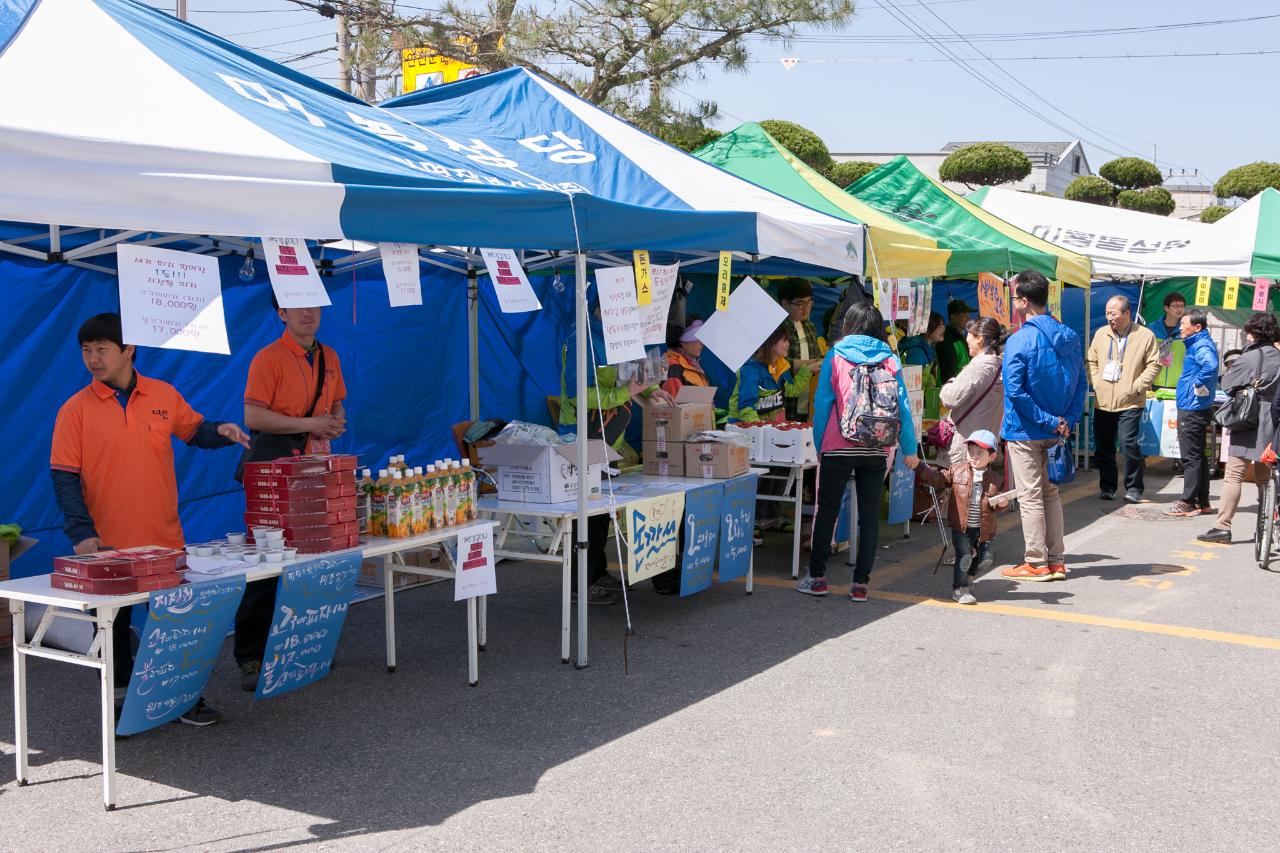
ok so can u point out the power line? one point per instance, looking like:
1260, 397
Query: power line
841, 60
281, 27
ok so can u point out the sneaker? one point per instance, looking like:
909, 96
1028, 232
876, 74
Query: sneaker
1027, 572
810, 585
1182, 509
756, 539
1058, 571
201, 714
609, 582
1216, 534
249, 672
597, 595
1133, 497
1107, 496
962, 595
1208, 510
858, 592
985, 562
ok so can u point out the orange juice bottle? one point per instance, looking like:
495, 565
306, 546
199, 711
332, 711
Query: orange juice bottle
410, 486
438, 497
471, 488
420, 522
459, 514
378, 504
364, 499
395, 506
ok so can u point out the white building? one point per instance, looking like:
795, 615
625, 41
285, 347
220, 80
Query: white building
1192, 193
1054, 165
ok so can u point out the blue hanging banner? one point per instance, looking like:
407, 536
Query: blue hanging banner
737, 522
180, 643
701, 535
902, 487
311, 605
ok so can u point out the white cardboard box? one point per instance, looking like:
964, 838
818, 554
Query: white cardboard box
790, 446
755, 432
535, 474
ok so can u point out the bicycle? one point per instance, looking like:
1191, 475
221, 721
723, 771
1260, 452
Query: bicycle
1267, 534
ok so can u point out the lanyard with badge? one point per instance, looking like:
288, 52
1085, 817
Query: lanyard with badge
1111, 372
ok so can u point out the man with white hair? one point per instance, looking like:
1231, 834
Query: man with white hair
1123, 360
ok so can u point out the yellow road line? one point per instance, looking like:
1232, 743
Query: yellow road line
1272, 643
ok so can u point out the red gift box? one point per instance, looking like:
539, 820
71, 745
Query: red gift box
287, 467
115, 586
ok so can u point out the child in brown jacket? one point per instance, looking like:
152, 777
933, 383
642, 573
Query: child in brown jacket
971, 512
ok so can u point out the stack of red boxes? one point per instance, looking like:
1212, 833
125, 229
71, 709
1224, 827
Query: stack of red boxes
311, 498
120, 572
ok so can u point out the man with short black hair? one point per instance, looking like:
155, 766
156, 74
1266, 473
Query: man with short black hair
112, 461
953, 352
1196, 387
1044, 391
795, 295
1170, 326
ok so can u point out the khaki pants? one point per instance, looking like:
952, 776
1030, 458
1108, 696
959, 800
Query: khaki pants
1233, 480
1038, 501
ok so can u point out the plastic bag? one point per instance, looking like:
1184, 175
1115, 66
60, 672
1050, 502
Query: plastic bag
1062, 463
521, 432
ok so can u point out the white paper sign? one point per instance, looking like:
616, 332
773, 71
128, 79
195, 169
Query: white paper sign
293, 275
515, 294
476, 575
171, 300
654, 315
400, 269
734, 335
623, 332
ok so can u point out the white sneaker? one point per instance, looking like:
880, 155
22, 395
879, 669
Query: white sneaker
963, 596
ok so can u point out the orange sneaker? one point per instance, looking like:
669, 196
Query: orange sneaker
1058, 570
1028, 572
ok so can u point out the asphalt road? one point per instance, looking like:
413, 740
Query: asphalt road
1131, 707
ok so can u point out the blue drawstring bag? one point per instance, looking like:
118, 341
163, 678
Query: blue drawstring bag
1062, 463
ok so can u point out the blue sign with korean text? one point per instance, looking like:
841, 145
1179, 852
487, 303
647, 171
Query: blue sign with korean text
902, 487
1149, 430
737, 521
179, 645
701, 531
311, 605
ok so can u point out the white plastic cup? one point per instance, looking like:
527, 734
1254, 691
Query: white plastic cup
274, 556
290, 554
235, 539
260, 534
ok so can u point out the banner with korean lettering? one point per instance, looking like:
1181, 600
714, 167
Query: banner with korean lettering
171, 300
619, 315
400, 269
1261, 290
293, 274
701, 537
737, 525
312, 597
475, 575
653, 532
662, 279
510, 284
177, 651
991, 298
902, 482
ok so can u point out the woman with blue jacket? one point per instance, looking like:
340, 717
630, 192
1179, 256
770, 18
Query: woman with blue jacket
842, 460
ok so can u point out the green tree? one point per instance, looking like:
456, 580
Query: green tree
1092, 190
1213, 213
623, 55
846, 174
800, 141
985, 163
1248, 181
688, 136
1155, 200
1131, 173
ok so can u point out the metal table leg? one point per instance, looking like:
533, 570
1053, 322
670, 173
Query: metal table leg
389, 607
581, 662
473, 660
566, 583
17, 608
106, 619
797, 496
483, 637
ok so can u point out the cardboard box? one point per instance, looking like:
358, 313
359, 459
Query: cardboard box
532, 473
115, 586
694, 411
665, 462
790, 445
716, 460
755, 433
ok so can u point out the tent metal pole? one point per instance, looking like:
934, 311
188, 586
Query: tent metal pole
583, 327
473, 341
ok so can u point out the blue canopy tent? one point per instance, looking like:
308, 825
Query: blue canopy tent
184, 135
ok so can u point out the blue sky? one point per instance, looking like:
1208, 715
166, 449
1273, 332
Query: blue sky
857, 89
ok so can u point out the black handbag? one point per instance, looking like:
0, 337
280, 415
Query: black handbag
265, 446
1244, 410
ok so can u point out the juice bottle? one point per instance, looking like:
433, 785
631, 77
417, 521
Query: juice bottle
472, 488
419, 503
410, 500
428, 502
450, 495
364, 499
438, 497
395, 506
378, 504
459, 494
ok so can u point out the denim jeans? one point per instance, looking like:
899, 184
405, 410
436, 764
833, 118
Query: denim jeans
965, 542
834, 473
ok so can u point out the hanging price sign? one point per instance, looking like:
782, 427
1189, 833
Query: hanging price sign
1202, 290
644, 282
1232, 294
722, 281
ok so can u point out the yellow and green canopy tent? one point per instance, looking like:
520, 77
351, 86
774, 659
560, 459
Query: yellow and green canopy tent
985, 242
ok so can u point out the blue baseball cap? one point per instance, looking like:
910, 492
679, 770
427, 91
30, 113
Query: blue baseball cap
983, 438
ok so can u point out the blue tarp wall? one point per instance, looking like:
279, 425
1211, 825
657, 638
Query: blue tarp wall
406, 373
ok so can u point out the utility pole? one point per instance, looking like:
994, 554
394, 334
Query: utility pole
344, 54
181, 10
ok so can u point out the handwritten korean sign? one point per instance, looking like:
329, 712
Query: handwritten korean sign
311, 606
737, 522
701, 537
400, 269
293, 274
902, 481
644, 284
653, 527
1202, 289
515, 294
1261, 289
654, 315
623, 331
723, 271
991, 301
171, 300
476, 574
179, 647
1232, 293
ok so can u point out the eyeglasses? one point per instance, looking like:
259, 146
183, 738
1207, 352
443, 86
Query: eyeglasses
800, 303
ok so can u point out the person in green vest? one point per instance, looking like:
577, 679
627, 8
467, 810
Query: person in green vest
1172, 348
953, 352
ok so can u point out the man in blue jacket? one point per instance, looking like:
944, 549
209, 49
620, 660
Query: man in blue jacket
1196, 386
1044, 390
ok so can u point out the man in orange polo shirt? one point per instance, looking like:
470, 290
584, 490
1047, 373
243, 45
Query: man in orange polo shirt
112, 463
280, 398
